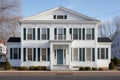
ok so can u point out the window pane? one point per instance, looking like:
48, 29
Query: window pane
75, 33
44, 33
43, 54
88, 34
59, 16
88, 54
75, 54
15, 53
102, 53
29, 54
29, 34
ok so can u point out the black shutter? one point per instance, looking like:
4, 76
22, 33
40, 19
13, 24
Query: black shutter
64, 31
83, 54
24, 33
80, 54
93, 54
48, 51
34, 54
106, 53
48, 33
33, 33
98, 53
10, 53
93, 33
38, 54
83, 34
24, 54
79, 33
55, 31
38, 33
54, 16
19, 53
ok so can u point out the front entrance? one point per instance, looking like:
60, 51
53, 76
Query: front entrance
59, 56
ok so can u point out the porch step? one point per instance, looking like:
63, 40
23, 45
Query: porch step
60, 67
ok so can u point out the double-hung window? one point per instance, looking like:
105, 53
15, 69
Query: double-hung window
75, 33
75, 54
30, 33
88, 34
102, 53
88, 54
29, 50
44, 34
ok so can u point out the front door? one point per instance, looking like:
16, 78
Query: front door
59, 56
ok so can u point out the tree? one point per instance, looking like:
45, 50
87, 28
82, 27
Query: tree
10, 13
111, 65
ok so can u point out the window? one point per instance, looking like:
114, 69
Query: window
60, 33
0, 56
88, 34
102, 53
75, 33
45, 34
75, 54
15, 53
88, 54
29, 54
31, 34
43, 54
59, 16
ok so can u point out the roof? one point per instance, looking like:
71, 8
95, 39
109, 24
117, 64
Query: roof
14, 39
62, 8
104, 39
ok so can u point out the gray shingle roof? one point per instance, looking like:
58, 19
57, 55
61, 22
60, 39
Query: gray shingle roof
14, 39
104, 39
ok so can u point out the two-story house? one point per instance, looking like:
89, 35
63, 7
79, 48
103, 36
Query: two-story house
59, 39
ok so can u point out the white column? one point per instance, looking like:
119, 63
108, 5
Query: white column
51, 56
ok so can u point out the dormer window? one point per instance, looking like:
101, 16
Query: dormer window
59, 16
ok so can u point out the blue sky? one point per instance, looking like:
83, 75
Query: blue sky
99, 9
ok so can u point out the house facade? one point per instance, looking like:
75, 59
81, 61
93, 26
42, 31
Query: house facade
60, 39
115, 48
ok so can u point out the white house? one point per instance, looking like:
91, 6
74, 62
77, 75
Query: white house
60, 39
3, 49
116, 44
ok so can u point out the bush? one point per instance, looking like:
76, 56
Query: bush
111, 65
81, 69
94, 69
23, 68
100, 69
7, 66
87, 68
44, 68
116, 61
39, 68
32, 68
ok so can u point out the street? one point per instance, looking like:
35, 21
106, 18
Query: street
59, 75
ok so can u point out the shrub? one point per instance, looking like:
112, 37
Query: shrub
87, 68
81, 69
32, 68
111, 65
116, 61
23, 68
7, 66
94, 69
100, 69
38, 68
44, 68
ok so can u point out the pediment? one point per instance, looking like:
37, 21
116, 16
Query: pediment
71, 15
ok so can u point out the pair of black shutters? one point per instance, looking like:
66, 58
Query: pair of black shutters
106, 57
38, 36
82, 54
83, 33
11, 53
34, 54
55, 31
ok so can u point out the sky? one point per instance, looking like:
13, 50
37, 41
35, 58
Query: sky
99, 9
